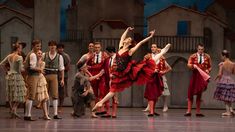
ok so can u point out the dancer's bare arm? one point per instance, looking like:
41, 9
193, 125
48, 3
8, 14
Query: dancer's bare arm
163, 51
219, 75
133, 50
96, 76
4, 61
123, 37
233, 68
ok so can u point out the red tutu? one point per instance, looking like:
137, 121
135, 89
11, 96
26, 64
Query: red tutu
139, 73
197, 84
154, 88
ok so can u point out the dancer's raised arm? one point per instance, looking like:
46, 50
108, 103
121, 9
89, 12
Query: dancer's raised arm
123, 37
132, 50
163, 51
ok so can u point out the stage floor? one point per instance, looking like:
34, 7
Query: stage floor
129, 119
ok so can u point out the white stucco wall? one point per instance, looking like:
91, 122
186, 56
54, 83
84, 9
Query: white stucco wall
107, 32
15, 28
165, 23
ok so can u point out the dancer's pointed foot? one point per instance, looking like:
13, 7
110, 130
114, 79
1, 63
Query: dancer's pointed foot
46, 118
145, 110
227, 114
165, 109
93, 115
97, 105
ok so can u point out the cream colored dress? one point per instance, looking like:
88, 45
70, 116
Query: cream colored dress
41, 91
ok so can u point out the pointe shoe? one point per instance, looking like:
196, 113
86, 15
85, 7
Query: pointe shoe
46, 118
165, 109
97, 105
227, 114
93, 115
145, 110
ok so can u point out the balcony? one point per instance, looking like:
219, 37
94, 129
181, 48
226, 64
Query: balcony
184, 44
73, 35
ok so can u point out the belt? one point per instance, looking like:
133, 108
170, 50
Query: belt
50, 72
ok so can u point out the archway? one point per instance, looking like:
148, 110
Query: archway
178, 81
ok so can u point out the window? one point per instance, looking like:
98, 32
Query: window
208, 37
101, 28
183, 28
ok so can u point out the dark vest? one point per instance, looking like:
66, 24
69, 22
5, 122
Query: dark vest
51, 66
30, 71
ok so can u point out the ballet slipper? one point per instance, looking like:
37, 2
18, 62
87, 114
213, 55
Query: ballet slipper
93, 115
46, 118
226, 114
146, 109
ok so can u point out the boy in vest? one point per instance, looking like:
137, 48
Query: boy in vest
54, 65
32, 77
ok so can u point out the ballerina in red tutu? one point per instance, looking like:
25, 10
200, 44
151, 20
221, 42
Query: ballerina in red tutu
126, 71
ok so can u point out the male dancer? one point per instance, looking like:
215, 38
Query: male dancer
30, 65
110, 63
54, 63
197, 84
63, 90
95, 64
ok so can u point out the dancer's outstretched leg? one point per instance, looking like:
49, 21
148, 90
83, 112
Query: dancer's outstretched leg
106, 98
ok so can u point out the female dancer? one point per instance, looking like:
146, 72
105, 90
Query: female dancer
41, 90
225, 90
16, 90
157, 86
127, 71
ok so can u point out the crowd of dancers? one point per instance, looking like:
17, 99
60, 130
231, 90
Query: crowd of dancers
101, 75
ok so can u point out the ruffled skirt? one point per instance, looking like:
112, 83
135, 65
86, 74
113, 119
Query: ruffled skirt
15, 86
138, 73
41, 92
225, 92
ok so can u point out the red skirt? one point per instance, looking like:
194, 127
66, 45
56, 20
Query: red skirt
139, 73
154, 88
197, 84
